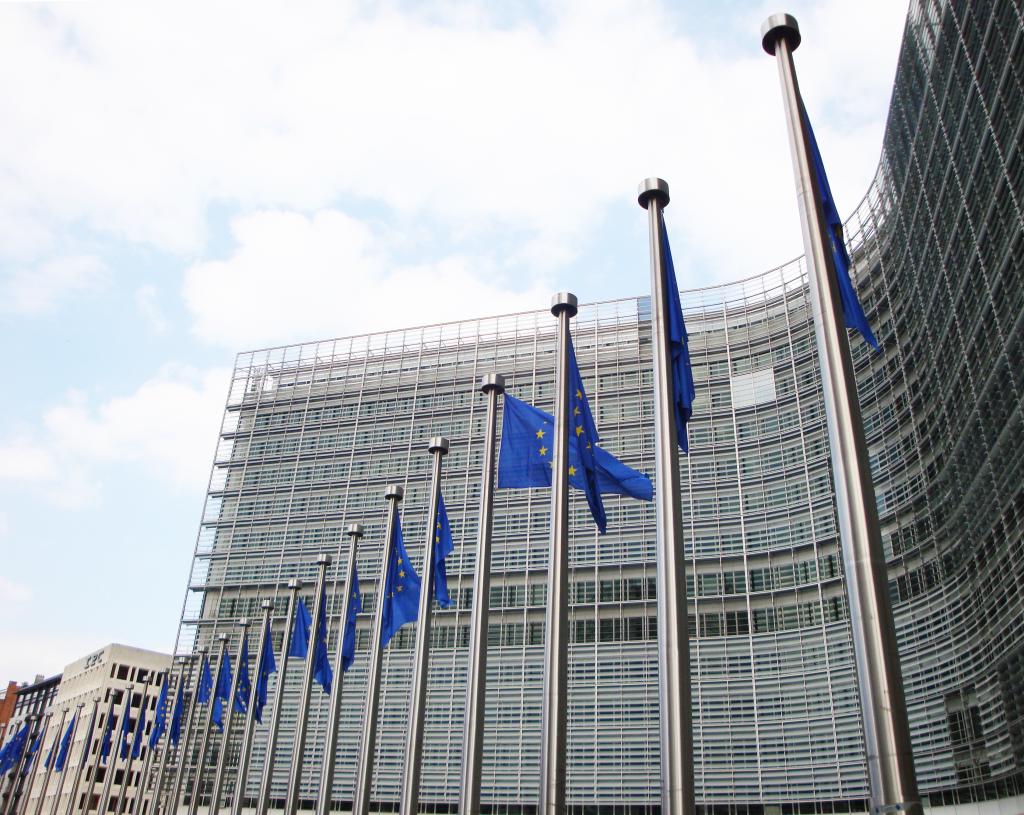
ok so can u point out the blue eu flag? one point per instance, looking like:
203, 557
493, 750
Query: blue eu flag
12, 751
525, 459
65, 745
108, 733
444, 545
126, 724
160, 722
140, 728
683, 391
267, 666
355, 605
852, 311
241, 704
205, 683
177, 715
298, 646
583, 432
222, 693
322, 672
401, 588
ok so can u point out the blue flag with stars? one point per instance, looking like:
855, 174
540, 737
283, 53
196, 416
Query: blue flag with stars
267, 666
140, 728
583, 432
525, 459
322, 672
401, 588
683, 391
355, 605
241, 703
222, 693
108, 733
179, 712
126, 724
12, 751
298, 645
205, 683
444, 545
65, 746
160, 722
853, 314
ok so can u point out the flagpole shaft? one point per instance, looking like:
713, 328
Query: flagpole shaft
364, 773
53, 760
96, 768
291, 804
267, 779
238, 800
676, 717
323, 804
186, 740
421, 658
493, 385
83, 757
60, 781
26, 789
218, 778
556, 642
883, 704
115, 751
12, 787
127, 778
147, 762
197, 783
161, 772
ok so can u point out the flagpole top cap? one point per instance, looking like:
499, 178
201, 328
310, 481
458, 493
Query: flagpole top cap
323, 559
439, 444
564, 301
295, 583
780, 27
244, 622
354, 530
653, 188
396, 491
266, 604
222, 638
492, 382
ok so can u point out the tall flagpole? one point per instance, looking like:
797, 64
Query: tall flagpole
161, 772
26, 789
147, 762
126, 780
438, 448
12, 790
53, 760
225, 741
393, 493
171, 805
96, 769
115, 751
883, 704
323, 804
267, 779
556, 640
60, 781
677, 790
291, 804
238, 800
476, 680
197, 782
84, 757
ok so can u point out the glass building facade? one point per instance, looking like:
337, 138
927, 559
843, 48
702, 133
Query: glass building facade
312, 433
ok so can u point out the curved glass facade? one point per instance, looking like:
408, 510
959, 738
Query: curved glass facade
312, 433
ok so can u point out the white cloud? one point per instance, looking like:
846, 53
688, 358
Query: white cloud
22, 460
37, 289
293, 277
26, 653
452, 116
148, 304
13, 594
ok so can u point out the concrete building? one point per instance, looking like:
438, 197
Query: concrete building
312, 433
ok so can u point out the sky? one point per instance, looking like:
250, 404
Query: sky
182, 182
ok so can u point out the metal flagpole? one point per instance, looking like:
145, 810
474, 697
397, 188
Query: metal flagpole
161, 772
291, 804
197, 783
126, 780
222, 759
60, 781
323, 804
263, 803
26, 788
12, 790
53, 760
883, 705
147, 762
556, 642
84, 757
171, 806
115, 751
438, 447
677, 791
96, 768
250, 721
364, 773
476, 680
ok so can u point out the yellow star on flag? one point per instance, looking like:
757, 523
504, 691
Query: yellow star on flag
572, 470
543, 450
540, 434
